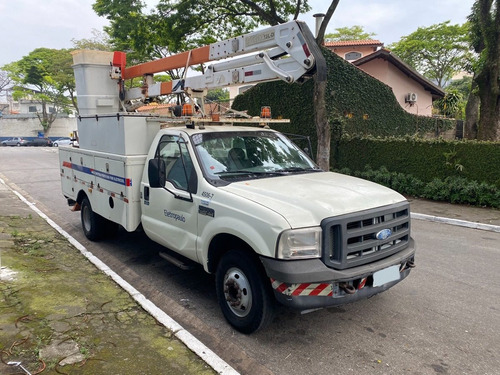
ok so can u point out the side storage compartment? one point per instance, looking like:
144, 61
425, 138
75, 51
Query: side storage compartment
66, 172
111, 183
117, 188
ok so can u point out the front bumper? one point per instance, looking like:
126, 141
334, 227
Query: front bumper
308, 284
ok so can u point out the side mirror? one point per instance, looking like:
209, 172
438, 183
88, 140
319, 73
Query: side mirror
156, 173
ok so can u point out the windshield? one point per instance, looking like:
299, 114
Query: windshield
243, 155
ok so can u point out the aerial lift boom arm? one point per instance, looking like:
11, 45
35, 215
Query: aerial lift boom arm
287, 51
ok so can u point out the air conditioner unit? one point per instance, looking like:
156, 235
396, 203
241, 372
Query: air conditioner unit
411, 97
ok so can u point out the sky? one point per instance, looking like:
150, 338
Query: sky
29, 24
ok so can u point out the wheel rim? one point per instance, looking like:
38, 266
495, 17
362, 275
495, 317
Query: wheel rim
237, 292
86, 218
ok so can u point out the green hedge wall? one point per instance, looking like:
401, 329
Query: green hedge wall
424, 159
357, 104
452, 189
373, 128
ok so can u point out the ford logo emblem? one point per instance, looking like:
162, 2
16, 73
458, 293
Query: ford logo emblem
383, 234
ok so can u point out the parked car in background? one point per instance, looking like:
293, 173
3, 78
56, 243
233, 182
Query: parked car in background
40, 142
15, 141
64, 141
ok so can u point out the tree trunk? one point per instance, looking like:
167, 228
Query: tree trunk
323, 129
489, 122
485, 37
489, 119
472, 113
322, 126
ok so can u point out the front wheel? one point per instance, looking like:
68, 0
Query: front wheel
244, 295
93, 224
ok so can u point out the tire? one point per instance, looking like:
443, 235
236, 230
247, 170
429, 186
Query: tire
18, 145
55, 144
93, 225
244, 293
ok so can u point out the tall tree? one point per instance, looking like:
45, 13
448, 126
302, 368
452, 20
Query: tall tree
485, 35
437, 51
355, 32
44, 75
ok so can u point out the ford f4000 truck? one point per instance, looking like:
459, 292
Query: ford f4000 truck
243, 201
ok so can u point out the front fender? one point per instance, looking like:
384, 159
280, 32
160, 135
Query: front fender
261, 235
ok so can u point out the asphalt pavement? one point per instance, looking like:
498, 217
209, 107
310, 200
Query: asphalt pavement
12, 204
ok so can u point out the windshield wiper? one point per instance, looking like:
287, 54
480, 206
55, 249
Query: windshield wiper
242, 171
298, 169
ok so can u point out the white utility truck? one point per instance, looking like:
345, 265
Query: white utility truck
243, 201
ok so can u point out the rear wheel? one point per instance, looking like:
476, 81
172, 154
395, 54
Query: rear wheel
244, 293
93, 224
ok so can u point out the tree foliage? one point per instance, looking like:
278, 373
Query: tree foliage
485, 38
5, 82
451, 104
217, 95
463, 88
462, 85
100, 41
175, 26
437, 51
44, 75
355, 32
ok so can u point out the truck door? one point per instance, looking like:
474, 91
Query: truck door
169, 204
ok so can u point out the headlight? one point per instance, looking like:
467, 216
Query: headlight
300, 244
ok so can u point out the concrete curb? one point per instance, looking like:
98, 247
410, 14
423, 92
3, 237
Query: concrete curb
212, 359
457, 222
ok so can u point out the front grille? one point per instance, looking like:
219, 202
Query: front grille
351, 240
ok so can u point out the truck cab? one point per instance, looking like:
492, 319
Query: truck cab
246, 193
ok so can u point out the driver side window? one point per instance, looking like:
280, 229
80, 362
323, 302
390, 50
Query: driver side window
178, 164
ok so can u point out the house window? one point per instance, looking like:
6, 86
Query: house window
52, 110
32, 108
352, 56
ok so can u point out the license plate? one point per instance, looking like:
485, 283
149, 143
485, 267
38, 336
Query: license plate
386, 276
